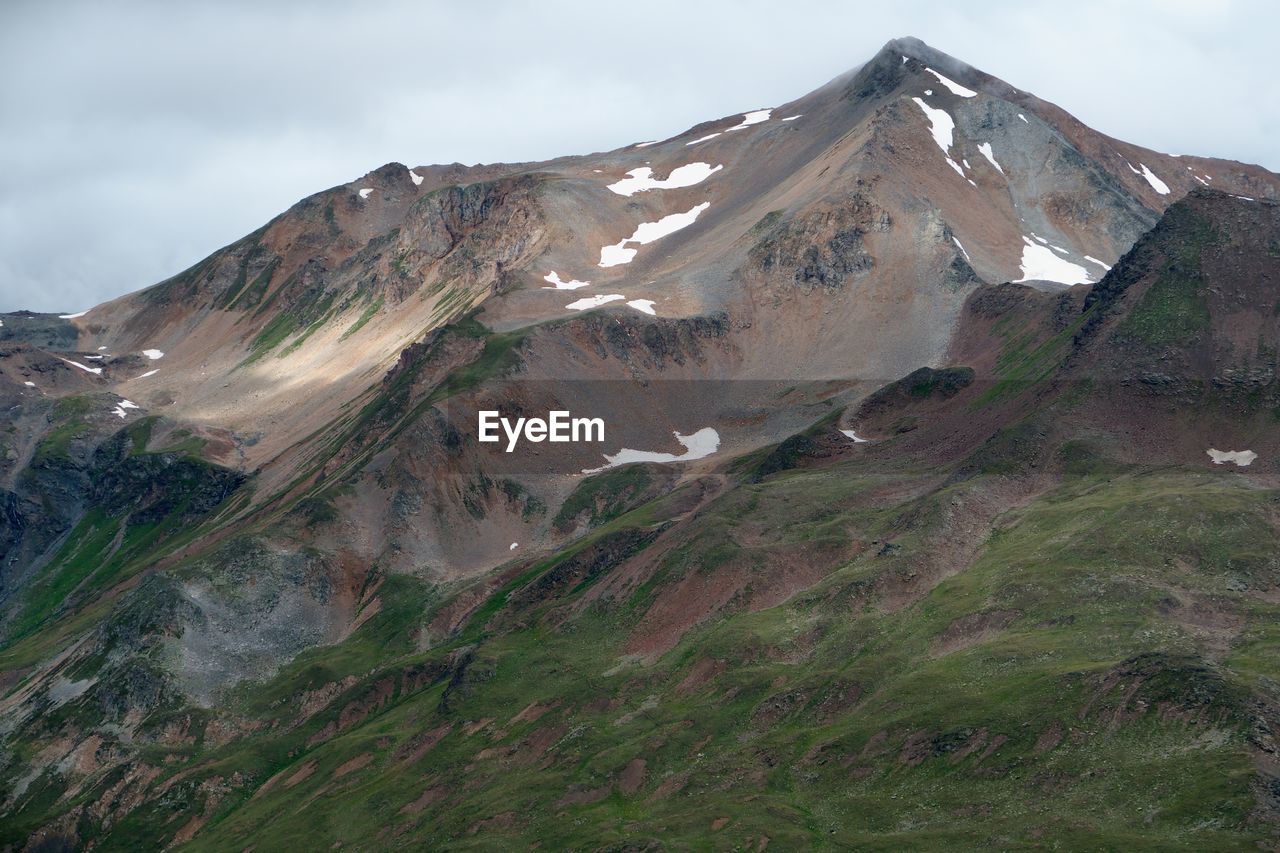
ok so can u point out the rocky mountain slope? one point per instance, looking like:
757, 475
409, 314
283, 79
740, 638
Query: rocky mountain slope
966, 529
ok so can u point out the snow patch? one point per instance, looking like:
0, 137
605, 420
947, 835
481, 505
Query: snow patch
929, 92
703, 139
644, 306
153, 354
941, 125
149, 373
1200, 179
594, 301
1039, 263
701, 444
96, 371
562, 285
647, 232
415, 177
1094, 260
641, 180
753, 117
1156, 184
987, 152
1024, 118
647, 144
29, 384
73, 316
955, 87
122, 406
853, 435
961, 248
612, 256
1242, 197
794, 117
514, 545
1243, 458
364, 193
100, 349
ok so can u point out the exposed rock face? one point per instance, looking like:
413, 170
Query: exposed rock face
822, 247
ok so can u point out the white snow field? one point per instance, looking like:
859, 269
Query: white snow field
701, 444
1243, 458
1039, 263
641, 180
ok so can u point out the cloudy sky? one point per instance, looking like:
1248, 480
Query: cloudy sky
138, 137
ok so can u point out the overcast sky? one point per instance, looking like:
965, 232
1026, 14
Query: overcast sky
136, 138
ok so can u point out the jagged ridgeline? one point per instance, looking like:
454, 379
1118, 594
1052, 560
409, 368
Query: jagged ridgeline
936, 504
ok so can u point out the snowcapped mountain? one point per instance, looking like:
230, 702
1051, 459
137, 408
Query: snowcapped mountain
250, 528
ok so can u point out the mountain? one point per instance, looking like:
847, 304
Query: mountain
936, 501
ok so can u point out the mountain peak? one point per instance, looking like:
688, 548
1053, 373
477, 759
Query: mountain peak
910, 48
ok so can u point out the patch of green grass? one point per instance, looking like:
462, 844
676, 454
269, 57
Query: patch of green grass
605, 496
66, 425
83, 552
830, 719
1023, 362
368, 314
1173, 310
253, 292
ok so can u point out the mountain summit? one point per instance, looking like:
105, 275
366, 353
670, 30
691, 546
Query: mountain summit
934, 496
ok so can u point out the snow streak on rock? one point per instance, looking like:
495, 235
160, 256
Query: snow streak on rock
955, 87
703, 139
1156, 184
96, 371
987, 152
941, 125
647, 232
